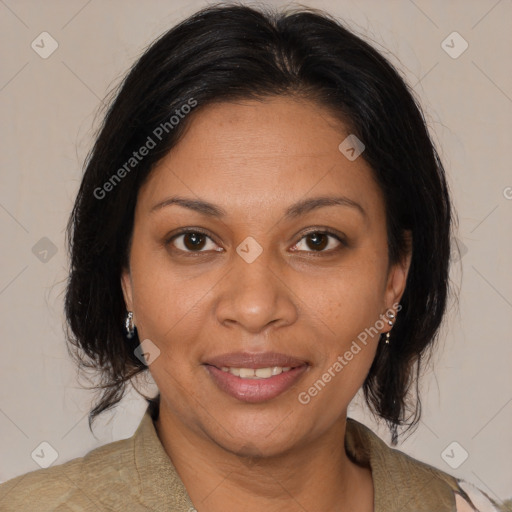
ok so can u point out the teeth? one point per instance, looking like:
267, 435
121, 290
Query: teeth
260, 373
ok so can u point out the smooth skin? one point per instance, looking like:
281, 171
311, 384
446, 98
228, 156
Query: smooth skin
305, 295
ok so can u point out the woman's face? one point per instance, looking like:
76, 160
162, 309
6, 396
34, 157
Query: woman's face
255, 275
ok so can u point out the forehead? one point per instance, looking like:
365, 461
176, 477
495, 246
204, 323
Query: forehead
261, 154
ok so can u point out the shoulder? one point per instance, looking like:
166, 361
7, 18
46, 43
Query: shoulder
401, 481
464, 495
79, 484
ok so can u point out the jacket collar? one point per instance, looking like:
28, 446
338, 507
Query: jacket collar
400, 482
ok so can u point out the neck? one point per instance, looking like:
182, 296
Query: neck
314, 476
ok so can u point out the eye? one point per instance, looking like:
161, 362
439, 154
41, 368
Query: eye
193, 241
318, 241
196, 241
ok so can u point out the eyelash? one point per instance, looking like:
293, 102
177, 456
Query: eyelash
317, 231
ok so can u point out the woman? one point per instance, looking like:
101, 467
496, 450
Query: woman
244, 231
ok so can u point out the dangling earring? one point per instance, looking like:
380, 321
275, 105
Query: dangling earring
129, 326
390, 315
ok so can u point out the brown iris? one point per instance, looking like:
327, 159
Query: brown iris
320, 241
194, 241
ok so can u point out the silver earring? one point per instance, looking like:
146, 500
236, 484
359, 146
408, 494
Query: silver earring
129, 326
390, 315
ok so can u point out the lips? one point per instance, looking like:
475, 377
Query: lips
255, 390
255, 360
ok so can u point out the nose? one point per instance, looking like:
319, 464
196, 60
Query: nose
255, 296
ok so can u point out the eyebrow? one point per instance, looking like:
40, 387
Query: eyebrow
294, 211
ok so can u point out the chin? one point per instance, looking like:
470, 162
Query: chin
256, 437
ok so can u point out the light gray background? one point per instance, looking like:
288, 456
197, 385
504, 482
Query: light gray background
50, 111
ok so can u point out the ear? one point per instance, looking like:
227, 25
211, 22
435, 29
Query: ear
126, 285
397, 276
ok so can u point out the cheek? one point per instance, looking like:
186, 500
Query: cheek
167, 302
348, 300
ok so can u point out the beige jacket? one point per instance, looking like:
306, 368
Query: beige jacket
136, 474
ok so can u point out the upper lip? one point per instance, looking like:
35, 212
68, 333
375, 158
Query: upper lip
254, 360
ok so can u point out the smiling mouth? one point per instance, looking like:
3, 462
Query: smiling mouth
255, 376
254, 361
256, 373
255, 385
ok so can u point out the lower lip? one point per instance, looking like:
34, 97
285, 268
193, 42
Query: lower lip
255, 390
